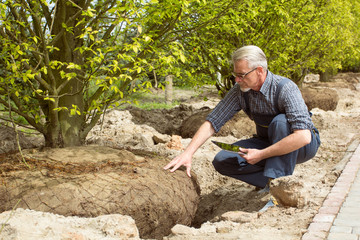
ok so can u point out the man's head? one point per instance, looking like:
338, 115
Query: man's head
250, 67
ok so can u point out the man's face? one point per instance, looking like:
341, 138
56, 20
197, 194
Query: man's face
247, 78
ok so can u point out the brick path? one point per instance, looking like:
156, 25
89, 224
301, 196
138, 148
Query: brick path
339, 216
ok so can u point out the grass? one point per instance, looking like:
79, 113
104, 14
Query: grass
156, 99
149, 104
156, 105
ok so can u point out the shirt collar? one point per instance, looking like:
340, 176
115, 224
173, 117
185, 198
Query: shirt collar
266, 85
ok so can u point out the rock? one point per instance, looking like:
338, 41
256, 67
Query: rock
8, 142
213, 231
90, 181
312, 78
239, 216
179, 229
288, 192
160, 138
40, 225
175, 143
145, 139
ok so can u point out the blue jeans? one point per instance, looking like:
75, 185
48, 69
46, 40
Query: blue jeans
233, 165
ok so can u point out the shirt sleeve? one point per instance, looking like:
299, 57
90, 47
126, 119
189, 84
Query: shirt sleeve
292, 103
225, 109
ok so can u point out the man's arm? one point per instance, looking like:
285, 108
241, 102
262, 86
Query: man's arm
205, 131
294, 141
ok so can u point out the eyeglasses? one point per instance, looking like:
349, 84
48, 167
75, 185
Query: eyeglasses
242, 75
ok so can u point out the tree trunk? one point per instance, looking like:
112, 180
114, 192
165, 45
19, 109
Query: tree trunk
155, 79
169, 89
325, 76
65, 127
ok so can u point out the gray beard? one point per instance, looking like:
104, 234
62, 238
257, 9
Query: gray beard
245, 89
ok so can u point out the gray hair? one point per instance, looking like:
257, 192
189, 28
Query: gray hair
252, 54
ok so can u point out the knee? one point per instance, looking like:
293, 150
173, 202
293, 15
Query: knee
279, 127
222, 164
217, 163
279, 120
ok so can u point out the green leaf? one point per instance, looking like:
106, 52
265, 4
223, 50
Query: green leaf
49, 99
182, 58
73, 66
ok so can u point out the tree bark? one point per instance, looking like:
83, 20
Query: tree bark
169, 89
325, 76
64, 128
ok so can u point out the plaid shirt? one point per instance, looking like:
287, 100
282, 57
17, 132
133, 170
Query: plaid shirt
290, 102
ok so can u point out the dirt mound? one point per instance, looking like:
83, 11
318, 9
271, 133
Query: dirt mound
325, 99
239, 126
92, 181
165, 121
342, 80
349, 77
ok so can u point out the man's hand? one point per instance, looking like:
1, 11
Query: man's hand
183, 159
203, 133
294, 141
251, 155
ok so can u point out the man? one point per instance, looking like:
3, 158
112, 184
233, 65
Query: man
285, 133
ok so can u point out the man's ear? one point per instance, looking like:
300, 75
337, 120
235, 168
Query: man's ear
260, 70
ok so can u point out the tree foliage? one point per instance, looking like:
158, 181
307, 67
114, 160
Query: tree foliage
64, 62
351, 61
297, 36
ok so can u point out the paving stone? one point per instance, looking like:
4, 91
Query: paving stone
351, 203
350, 210
328, 218
311, 235
337, 195
339, 188
332, 203
320, 226
356, 230
342, 236
347, 214
341, 229
329, 210
352, 221
347, 178
355, 191
347, 220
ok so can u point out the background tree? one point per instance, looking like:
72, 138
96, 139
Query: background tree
64, 62
297, 36
351, 57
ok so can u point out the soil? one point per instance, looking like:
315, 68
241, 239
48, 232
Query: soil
94, 181
229, 209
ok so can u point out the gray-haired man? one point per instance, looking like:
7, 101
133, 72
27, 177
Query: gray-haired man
285, 135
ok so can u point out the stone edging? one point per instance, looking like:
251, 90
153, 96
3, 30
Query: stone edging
322, 222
